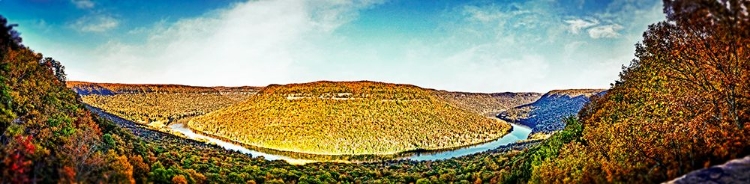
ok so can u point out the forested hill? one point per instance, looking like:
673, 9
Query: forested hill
487, 104
682, 104
349, 118
46, 136
546, 113
88, 88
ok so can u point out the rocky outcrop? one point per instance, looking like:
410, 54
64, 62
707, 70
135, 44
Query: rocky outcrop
734, 171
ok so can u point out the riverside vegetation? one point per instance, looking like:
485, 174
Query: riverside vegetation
683, 104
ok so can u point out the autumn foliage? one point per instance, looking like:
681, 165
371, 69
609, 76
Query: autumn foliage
487, 104
146, 107
88, 88
349, 118
45, 134
682, 105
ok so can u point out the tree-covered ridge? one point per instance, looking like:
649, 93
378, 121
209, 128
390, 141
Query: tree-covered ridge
488, 104
377, 118
89, 88
162, 107
47, 136
682, 105
545, 115
348, 89
572, 93
146, 103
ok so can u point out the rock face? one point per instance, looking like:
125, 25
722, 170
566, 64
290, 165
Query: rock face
734, 171
546, 114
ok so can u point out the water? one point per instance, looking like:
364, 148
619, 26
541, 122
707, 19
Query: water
519, 133
179, 127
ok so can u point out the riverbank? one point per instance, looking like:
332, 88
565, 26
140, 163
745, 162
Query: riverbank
149, 134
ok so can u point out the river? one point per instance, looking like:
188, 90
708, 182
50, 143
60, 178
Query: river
518, 133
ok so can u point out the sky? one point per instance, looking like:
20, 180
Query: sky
472, 46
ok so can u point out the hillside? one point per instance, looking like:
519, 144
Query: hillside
147, 103
91, 88
546, 114
488, 104
682, 104
46, 135
349, 118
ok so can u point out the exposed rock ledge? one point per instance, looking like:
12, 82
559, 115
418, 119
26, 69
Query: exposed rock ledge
734, 171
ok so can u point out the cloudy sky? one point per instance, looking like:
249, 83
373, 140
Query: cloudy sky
477, 46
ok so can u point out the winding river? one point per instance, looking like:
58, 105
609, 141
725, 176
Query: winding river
518, 133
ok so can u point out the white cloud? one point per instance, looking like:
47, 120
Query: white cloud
83, 4
575, 25
95, 23
482, 15
605, 31
250, 43
480, 68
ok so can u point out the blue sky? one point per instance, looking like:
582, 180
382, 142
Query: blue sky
477, 46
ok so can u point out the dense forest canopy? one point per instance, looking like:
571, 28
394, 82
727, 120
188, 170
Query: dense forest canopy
349, 118
46, 134
681, 105
88, 88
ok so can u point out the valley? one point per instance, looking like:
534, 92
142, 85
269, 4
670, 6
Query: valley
171, 109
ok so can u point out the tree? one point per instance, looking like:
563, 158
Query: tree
9, 38
121, 169
179, 179
703, 45
56, 68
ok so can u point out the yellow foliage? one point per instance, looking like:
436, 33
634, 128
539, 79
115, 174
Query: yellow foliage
349, 118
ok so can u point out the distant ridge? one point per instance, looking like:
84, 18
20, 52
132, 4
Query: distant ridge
488, 104
546, 113
90, 88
